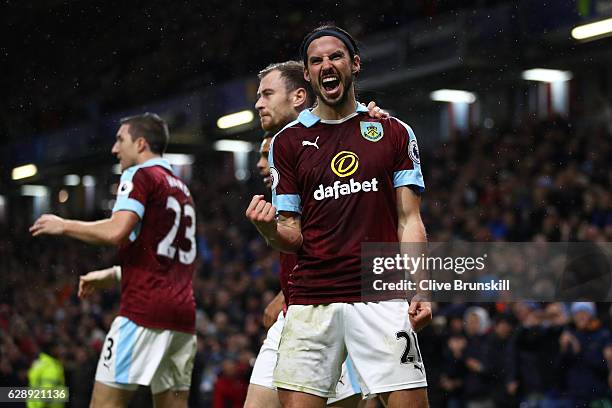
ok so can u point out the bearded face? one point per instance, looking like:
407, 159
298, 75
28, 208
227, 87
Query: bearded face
331, 70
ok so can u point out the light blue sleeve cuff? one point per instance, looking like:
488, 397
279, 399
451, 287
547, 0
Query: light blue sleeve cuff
287, 202
130, 204
409, 178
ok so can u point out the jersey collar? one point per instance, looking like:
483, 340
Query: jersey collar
309, 119
158, 161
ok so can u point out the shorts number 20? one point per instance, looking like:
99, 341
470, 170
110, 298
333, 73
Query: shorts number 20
407, 356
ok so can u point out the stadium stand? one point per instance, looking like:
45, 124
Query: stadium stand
567, 200
529, 178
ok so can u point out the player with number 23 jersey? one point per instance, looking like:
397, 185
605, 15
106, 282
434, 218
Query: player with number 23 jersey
156, 290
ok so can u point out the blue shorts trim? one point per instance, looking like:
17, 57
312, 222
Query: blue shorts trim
125, 348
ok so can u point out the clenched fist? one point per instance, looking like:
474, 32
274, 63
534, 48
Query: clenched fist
262, 214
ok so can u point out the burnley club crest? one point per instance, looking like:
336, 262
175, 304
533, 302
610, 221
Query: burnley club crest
372, 131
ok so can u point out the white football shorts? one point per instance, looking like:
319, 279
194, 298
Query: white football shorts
133, 355
376, 335
263, 370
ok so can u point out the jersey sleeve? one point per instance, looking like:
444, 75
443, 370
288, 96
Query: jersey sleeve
285, 193
407, 166
132, 192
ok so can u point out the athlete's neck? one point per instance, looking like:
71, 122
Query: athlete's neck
289, 119
328, 112
146, 156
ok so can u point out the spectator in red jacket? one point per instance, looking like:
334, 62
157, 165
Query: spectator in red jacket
231, 386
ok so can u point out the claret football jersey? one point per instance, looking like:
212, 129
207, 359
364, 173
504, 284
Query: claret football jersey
340, 176
158, 261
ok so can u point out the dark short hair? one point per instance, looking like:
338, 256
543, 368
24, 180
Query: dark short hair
151, 127
331, 30
292, 73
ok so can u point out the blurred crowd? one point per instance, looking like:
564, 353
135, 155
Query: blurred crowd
546, 181
74, 73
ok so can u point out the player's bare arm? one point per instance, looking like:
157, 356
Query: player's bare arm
111, 231
101, 279
410, 229
273, 309
283, 234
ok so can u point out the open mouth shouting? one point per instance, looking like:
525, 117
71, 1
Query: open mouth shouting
330, 85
